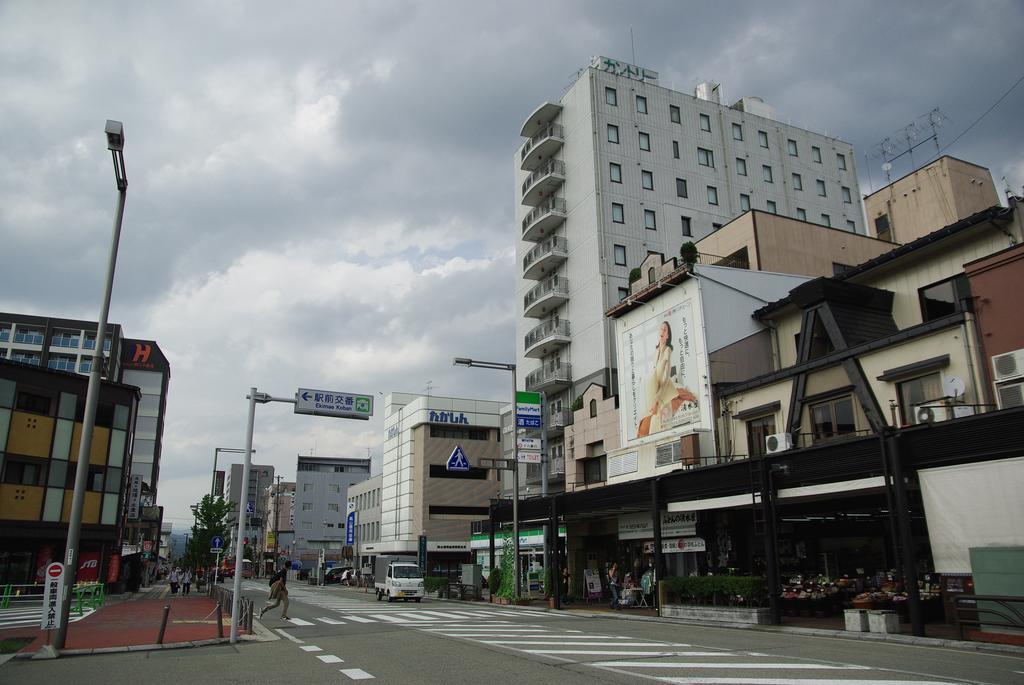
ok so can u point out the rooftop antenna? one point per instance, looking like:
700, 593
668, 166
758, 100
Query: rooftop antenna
430, 386
936, 120
910, 132
632, 45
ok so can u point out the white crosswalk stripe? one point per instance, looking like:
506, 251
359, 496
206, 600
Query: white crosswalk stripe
22, 618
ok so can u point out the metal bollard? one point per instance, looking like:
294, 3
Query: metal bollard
220, 621
163, 624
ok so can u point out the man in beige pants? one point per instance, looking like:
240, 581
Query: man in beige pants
278, 593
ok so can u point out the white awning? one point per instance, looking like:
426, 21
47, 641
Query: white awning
973, 505
712, 503
830, 488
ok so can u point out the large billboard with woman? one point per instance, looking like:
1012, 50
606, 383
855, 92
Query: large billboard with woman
661, 370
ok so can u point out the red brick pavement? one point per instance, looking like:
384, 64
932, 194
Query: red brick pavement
136, 622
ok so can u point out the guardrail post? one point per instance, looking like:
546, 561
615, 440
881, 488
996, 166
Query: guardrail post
220, 620
163, 624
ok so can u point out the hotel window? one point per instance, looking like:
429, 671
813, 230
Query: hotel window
611, 97
613, 134
333, 506
772, 207
944, 298
641, 104
705, 157
673, 114
650, 220
832, 418
623, 294
334, 488
675, 149
744, 202
882, 229
841, 161
851, 225
618, 214
29, 336
816, 154
766, 173
705, 123
23, 472
615, 172
922, 390
798, 182
645, 141
62, 362
64, 339
801, 214
737, 132
758, 431
32, 358
741, 166
762, 138
307, 487
826, 220
821, 187
593, 470
846, 195
791, 148
687, 229
647, 180
712, 195
307, 525
681, 188
620, 255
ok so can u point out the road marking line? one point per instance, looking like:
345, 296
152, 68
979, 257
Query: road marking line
330, 621
601, 652
356, 674
291, 637
359, 619
559, 643
300, 622
330, 659
418, 617
391, 619
310, 648
442, 614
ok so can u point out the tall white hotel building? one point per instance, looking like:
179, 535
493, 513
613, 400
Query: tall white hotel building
621, 167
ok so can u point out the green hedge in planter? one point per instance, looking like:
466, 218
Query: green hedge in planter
494, 580
750, 590
435, 583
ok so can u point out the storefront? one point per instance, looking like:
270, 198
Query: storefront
531, 550
683, 551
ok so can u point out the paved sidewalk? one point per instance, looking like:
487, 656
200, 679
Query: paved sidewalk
135, 625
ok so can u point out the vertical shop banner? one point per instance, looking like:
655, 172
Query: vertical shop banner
134, 496
114, 568
660, 373
350, 529
423, 554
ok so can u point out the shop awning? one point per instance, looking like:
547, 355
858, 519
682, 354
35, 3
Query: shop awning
727, 502
876, 482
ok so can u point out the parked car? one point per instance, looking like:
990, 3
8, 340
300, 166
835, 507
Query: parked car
339, 574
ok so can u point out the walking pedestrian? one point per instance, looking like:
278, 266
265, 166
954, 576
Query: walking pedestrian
186, 581
613, 584
174, 578
279, 595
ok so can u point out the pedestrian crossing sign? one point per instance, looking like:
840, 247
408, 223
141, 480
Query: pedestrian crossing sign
457, 461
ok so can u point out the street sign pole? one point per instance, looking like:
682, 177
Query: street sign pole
243, 499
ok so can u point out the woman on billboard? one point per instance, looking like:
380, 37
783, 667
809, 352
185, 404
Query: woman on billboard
663, 396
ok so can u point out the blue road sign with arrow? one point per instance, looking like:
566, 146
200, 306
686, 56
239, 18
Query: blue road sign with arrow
216, 542
457, 461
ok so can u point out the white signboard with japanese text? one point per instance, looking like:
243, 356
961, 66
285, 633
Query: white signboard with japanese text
53, 596
674, 524
134, 496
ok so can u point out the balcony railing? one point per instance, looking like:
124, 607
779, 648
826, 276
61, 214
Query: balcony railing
554, 244
543, 182
544, 144
551, 374
558, 420
544, 217
556, 286
546, 330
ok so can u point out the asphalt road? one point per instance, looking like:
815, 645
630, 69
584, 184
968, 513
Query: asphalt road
339, 635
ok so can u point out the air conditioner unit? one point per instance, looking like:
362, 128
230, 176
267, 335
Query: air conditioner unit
930, 413
1010, 395
778, 442
1009, 366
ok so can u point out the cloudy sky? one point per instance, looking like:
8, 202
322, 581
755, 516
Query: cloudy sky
321, 194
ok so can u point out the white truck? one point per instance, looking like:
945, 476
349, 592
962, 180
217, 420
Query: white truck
397, 578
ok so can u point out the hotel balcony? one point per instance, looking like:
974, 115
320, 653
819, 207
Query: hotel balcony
541, 147
545, 338
541, 261
545, 297
558, 420
551, 376
542, 183
540, 118
543, 219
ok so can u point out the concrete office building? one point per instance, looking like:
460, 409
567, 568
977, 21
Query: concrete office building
321, 491
419, 495
621, 167
58, 344
279, 503
261, 476
365, 497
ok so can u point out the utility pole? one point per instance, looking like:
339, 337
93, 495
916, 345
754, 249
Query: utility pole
277, 522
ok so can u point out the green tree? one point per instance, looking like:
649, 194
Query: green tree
688, 253
211, 521
508, 576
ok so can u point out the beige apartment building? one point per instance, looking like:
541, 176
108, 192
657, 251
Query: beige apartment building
935, 195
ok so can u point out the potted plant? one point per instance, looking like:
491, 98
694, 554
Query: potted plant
494, 583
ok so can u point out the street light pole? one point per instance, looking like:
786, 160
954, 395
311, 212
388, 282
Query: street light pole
216, 451
463, 361
242, 501
115, 143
